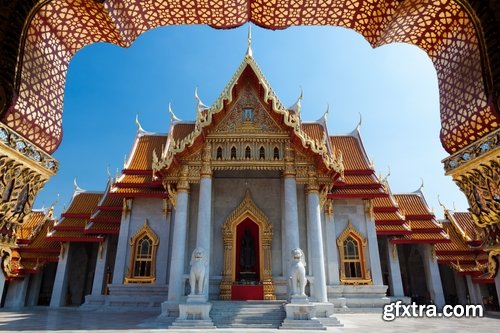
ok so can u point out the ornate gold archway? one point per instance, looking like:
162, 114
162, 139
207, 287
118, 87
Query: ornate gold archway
247, 209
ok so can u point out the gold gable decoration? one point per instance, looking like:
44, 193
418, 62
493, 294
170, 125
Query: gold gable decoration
332, 160
365, 277
247, 208
145, 232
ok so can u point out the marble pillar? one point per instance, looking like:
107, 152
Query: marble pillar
291, 215
123, 243
161, 262
175, 282
34, 288
432, 276
204, 225
2, 283
460, 288
60, 289
316, 243
16, 293
332, 250
100, 268
373, 253
474, 292
395, 281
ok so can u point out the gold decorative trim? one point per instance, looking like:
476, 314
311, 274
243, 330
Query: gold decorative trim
247, 209
366, 276
145, 230
493, 259
332, 159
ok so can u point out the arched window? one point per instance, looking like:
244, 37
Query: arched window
219, 153
143, 257
262, 153
248, 153
276, 153
233, 153
352, 248
143, 247
352, 259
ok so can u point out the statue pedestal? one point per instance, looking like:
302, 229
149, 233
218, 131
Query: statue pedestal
301, 315
194, 314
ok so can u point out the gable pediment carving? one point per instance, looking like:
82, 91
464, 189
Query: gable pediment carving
247, 114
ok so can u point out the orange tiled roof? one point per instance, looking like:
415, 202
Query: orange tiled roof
83, 203
33, 220
181, 130
396, 229
314, 130
142, 154
356, 192
429, 225
389, 217
457, 244
130, 191
102, 228
72, 236
385, 204
415, 237
352, 152
412, 204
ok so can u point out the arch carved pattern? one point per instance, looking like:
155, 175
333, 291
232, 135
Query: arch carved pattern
448, 30
247, 209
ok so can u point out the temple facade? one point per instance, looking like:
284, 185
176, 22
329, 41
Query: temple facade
218, 207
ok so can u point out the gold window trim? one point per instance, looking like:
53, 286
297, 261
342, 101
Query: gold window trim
356, 235
247, 209
145, 230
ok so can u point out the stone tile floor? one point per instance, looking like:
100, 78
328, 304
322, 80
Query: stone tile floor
74, 320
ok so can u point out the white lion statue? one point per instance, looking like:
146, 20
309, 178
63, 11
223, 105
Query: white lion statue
298, 273
198, 270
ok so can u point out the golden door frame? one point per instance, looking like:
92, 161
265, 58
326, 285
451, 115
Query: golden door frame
247, 209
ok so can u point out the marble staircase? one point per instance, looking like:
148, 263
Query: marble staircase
247, 314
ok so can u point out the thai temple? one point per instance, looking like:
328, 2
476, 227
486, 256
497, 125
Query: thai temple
248, 201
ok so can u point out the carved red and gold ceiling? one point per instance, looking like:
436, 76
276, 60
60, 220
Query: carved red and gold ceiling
445, 29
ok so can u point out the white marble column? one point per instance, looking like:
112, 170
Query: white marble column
373, 253
395, 281
332, 250
163, 248
291, 215
460, 288
100, 268
204, 224
163, 230
34, 288
60, 288
474, 291
16, 293
175, 282
316, 239
123, 243
2, 283
432, 277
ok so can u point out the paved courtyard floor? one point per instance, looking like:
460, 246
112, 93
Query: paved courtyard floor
74, 320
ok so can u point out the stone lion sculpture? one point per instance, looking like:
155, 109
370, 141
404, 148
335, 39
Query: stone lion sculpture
198, 270
298, 273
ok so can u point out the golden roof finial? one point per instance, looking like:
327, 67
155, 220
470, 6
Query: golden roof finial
249, 42
360, 121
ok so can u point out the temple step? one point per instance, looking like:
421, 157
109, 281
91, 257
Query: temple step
247, 314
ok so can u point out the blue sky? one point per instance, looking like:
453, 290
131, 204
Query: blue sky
393, 87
